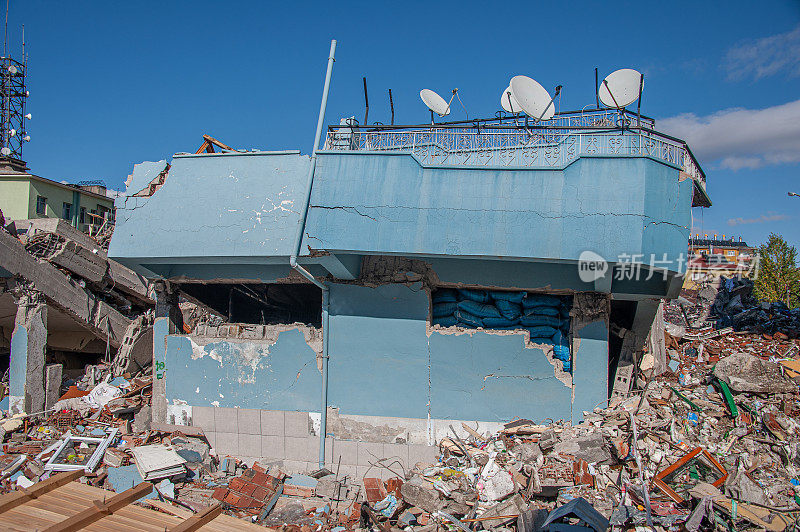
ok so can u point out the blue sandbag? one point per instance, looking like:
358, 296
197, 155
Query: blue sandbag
444, 295
538, 300
542, 331
513, 297
444, 309
561, 352
499, 323
468, 319
508, 309
559, 338
481, 296
480, 310
534, 320
445, 321
544, 311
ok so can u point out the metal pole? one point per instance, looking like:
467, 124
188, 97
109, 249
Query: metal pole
391, 105
301, 225
366, 102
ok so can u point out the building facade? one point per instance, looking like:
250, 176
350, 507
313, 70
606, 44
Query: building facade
25, 196
444, 275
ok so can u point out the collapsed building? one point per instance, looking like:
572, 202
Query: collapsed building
403, 278
65, 305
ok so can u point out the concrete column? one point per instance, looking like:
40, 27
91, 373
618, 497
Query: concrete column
28, 347
168, 321
589, 352
53, 375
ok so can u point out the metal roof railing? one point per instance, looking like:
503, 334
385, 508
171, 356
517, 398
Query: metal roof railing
484, 144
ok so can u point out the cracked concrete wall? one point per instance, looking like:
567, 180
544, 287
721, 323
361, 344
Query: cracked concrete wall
379, 203
389, 369
412, 371
277, 372
215, 205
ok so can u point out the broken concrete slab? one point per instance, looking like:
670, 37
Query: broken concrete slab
747, 373
591, 448
421, 494
62, 292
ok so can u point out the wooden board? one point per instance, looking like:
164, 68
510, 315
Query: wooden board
66, 501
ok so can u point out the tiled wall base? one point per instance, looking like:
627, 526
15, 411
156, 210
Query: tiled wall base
288, 437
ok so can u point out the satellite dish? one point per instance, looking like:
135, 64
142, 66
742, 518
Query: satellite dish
434, 102
621, 88
12, 132
5, 151
26, 138
28, 116
532, 98
12, 70
511, 106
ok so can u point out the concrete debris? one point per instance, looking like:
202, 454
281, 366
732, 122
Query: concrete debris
743, 372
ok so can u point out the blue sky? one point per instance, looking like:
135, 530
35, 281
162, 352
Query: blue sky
113, 83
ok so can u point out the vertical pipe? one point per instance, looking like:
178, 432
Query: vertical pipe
391, 105
366, 102
301, 225
323, 425
596, 89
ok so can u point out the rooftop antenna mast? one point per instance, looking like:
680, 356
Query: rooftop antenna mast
12, 106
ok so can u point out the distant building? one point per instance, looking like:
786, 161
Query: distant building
710, 258
27, 196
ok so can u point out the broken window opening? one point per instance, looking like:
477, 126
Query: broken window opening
260, 303
546, 317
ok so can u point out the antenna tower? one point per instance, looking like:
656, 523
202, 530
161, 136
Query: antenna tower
13, 94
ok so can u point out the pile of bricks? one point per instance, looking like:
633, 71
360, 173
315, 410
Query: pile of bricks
250, 491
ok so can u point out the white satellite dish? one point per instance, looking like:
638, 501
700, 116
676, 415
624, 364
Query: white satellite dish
621, 88
26, 138
12, 132
508, 102
5, 151
434, 102
532, 98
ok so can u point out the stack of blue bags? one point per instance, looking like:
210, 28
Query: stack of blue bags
545, 316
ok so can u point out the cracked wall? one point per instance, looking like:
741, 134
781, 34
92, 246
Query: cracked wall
390, 204
278, 371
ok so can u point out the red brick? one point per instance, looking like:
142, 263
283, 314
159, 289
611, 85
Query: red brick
232, 499
248, 488
298, 491
220, 493
374, 489
260, 478
236, 484
261, 493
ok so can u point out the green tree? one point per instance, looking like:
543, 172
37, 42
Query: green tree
777, 271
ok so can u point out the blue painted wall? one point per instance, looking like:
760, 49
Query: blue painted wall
18, 363
228, 373
243, 205
378, 203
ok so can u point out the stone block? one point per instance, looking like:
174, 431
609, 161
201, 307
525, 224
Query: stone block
203, 417
272, 447
226, 420
249, 421
227, 443
272, 423
296, 424
250, 444
428, 454
347, 450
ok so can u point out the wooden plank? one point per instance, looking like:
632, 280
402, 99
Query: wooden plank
101, 509
199, 519
15, 498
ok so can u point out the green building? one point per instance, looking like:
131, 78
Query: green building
25, 196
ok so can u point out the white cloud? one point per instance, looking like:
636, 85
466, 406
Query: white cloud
764, 218
741, 138
765, 57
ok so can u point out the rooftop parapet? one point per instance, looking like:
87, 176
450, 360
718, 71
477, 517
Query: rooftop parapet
511, 142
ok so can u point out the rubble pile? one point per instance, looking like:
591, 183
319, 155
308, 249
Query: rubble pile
729, 302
